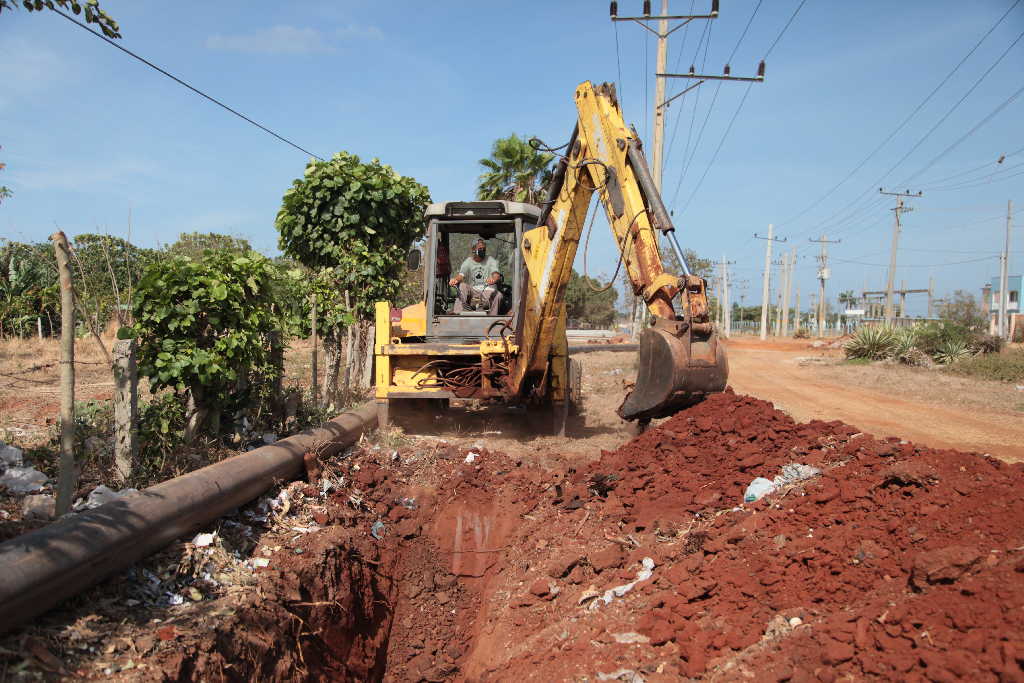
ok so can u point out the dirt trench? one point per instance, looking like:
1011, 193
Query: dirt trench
436, 563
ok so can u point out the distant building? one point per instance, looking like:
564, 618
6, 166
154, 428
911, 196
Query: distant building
990, 299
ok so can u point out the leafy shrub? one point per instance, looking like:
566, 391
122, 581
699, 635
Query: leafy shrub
209, 327
875, 343
1001, 367
801, 333
905, 343
933, 336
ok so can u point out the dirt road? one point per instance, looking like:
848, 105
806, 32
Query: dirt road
931, 412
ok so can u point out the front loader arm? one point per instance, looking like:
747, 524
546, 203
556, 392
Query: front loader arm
604, 156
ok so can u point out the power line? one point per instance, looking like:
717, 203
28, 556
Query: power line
926, 265
745, 29
901, 125
717, 149
1005, 103
784, 28
618, 63
190, 87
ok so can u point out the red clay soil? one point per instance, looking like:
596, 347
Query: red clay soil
897, 562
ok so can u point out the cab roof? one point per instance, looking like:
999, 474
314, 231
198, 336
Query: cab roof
483, 209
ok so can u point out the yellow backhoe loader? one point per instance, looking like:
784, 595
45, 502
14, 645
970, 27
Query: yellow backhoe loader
492, 321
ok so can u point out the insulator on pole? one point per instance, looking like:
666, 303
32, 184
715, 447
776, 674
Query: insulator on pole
614, 9
726, 70
760, 69
647, 8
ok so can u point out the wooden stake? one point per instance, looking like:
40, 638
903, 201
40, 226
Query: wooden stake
66, 475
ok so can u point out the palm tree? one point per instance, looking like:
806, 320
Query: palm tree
514, 171
847, 298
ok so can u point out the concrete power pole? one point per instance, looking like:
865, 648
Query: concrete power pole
660, 103
890, 280
796, 311
1004, 277
788, 287
823, 274
766, 278
724, 309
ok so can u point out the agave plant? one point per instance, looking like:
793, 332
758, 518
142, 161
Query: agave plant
876, 343
905, 342
951, 351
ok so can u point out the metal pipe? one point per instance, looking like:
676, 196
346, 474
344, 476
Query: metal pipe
43, 567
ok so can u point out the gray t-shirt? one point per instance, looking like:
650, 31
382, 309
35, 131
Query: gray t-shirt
476, 272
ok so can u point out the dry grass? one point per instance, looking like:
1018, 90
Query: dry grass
931, 386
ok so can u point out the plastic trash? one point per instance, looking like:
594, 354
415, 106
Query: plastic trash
377, 530
22, 479
470, 457
101, 495
758, 489
10, 456
203, 540
794, 472
645, 572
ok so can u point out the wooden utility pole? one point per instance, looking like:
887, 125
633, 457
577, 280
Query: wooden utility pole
1004, 276
66, 469
766, 277
890, 280
823, 274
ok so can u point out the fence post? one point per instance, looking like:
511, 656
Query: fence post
66, 474
126, 408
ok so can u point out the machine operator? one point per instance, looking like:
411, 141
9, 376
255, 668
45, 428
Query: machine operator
478, 279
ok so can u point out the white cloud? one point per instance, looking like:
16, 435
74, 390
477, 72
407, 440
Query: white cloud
80, 176
30, 69
282, 39
356, 31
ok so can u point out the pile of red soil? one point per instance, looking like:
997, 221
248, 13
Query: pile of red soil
896, 562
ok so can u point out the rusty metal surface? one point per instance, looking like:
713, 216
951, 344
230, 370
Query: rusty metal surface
41, 568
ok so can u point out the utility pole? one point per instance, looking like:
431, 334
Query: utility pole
724, 310
783, 273
796, 312
660, 103
1004, 277
823, 274
788, 286
895, 246
931, 296
766, 277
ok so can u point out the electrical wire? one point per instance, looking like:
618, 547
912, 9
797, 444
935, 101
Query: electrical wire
693, 115
618, 62
994, 176
1005, 103
784, 28
190, 87
902, 124
972, 170
925, 265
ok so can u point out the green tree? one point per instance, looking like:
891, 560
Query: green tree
351, 223
194, 244
588, 304
207, 327
28, 288
514, 171
963, 309
847, 298
93, 13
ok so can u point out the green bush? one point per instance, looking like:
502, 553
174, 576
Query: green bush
987, 343
1002, 367
874, 343
933, 337
951, 351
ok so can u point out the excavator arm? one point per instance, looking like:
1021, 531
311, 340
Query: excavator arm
681, 358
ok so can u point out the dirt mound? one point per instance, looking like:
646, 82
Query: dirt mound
437, 563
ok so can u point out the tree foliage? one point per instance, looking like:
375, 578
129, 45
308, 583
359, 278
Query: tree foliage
585, 305
357, 219
93, 13
206, 325
514, 171
28, 288
963, 309
194, 244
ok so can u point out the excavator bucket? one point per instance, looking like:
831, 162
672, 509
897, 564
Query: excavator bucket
676, 370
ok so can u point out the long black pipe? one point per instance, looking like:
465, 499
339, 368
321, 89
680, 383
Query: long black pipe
41, 568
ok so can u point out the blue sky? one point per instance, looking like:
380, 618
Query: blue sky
88, 133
